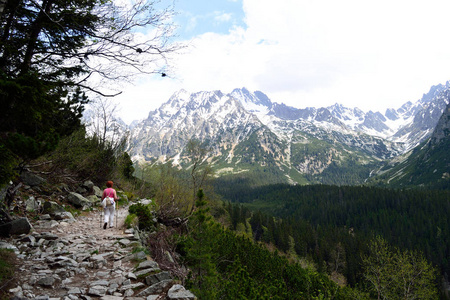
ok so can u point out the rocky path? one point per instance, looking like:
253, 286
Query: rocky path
78, 259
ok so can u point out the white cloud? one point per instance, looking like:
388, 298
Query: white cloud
370, 54
222, 17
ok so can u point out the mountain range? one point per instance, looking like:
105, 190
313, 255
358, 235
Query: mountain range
248, 135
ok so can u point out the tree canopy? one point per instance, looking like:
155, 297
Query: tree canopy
54, 52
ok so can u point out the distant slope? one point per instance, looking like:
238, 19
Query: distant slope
252, 137
428, 165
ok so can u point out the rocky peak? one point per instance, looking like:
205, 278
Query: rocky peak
442, 130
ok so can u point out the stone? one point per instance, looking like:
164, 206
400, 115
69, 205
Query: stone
48, 236
100, 282
28, 239
15, 227
97, 191
5, 245
145, 272
145, 201
81, 190
33, 204
93, 199
65, 215
31, 179
89, 185
147, 264
124, 242
128, 293
178, 292
47, 281
76, 262
97, 291
132, 276
136, 256
154, 278
133, 286
78, 200
74, 290
110, 297
51, 207
45, 217
156, 288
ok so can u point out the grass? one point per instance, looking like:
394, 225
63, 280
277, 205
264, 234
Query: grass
7, 268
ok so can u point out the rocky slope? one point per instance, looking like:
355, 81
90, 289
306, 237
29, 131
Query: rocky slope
62, 257
247, 132
426, 165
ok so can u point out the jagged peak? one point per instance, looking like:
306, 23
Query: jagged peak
442, 129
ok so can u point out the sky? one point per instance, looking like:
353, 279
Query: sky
305, 53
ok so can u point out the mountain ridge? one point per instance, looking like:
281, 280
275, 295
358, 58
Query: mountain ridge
247, 132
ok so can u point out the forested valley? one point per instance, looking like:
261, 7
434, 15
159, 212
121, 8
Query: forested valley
333, 226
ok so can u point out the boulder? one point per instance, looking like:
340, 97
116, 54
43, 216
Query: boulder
65, 215
15, 227
81, 190
31, 179
122, 195
178, 292
93, 199
52, 208
155, 278
33, 204
156, 288
97, 191
88, 185
78, 200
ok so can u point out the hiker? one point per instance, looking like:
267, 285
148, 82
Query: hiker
109, 204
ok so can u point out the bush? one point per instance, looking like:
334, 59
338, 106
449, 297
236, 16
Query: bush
144, 215
7, 266
88, 156
131, 221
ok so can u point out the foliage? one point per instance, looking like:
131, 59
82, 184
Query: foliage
86, 156
235, 267
7, 165
127, 168
35, 114
144, 215
332, 226
427, 166
395, 274
199, 169
63, 39
7, 267
131, 221
50, 49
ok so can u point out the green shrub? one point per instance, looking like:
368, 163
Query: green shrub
7, 266
131, 221
144, 215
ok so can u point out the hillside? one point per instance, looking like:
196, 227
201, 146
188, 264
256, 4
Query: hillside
428, 165
251, 137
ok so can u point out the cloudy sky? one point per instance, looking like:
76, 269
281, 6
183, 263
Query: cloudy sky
367, 54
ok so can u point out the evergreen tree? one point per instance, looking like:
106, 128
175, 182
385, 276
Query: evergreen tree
48, 51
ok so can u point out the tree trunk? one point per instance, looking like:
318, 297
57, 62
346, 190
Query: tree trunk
35, 31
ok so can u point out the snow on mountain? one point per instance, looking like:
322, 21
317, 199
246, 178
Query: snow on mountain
245, 127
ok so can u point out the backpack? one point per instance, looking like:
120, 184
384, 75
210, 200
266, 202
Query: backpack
109, 200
